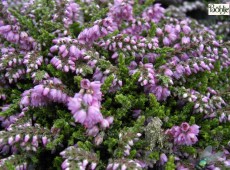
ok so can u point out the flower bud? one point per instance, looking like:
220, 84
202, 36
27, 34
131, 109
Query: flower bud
115, 166
65, 164
163, 158
85, 163
93, 131
98, 140
93, 165
123, 167
104, 124
27, 137
17, 138
10, 140
44, 140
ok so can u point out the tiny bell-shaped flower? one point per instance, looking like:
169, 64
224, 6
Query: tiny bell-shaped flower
17, 138
93, 131
185, 95
138, 134
104, 124
10, 140
85, 163
93, 165
163, 158
27, 137
98, 139
115, 166
131, 143
123, 167
127, 152
44, 140
65, 164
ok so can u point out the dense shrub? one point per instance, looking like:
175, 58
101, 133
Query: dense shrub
110, 85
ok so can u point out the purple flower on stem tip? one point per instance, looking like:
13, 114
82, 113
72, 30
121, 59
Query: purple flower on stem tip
85, 84
85, 106
184, 127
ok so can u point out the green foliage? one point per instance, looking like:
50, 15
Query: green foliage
77, 80
140, 8
152, 30
154, 155
155, 109
75, 29
189, 149
57, 163
170, 164
13, 108
10, 166
107, 84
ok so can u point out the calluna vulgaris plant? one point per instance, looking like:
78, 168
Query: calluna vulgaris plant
110, 85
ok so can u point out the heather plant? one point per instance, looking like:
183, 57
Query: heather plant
110, 85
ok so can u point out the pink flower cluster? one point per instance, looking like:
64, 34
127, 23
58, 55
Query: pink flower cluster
6, 121
154, 13
85, 105
120, 11
138, 25
68, 54
82, 159
207, 104
149, 80
13, 34
184, 134
11, 65
100, 29
42, 94
132, 44
24, 137
72, 11
32, 61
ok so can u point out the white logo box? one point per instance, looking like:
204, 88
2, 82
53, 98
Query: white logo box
219, 9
